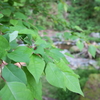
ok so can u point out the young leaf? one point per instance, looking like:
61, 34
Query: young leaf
80, 45
54, 75
72, 83
12, 73
13, 36
36, 67
36, 88
21, 54
15, 91
92, 50
78, 28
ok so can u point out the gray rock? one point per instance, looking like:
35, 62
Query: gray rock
95, 35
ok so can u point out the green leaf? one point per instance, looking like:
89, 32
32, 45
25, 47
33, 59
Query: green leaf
13, 36
12, 73
65, 68
4, 43
55, 54
15, 91
78, 28
27, 24
13, 22
2, 53
54, 75
68, 54
21, 54
80, 45
6, 12
72, 83
67, 35
39, 50
20, 15
92, 50
17, 27
36, 67
1, 15
13, 44
65, 7
60, 7
27, 31
36, 88
40, 41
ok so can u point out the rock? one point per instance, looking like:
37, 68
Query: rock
74, 49
79, 62
95, 35
63, 45
92, 88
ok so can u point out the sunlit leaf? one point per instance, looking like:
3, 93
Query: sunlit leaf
80, 45
13, 22
72, 83
1, 15
13, 36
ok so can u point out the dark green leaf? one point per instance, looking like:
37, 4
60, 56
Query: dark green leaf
36, 88
6, 12
12, 73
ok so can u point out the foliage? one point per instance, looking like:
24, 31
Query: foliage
86, 19
84, 74
20, 42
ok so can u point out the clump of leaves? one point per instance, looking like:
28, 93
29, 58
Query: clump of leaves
40, 57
